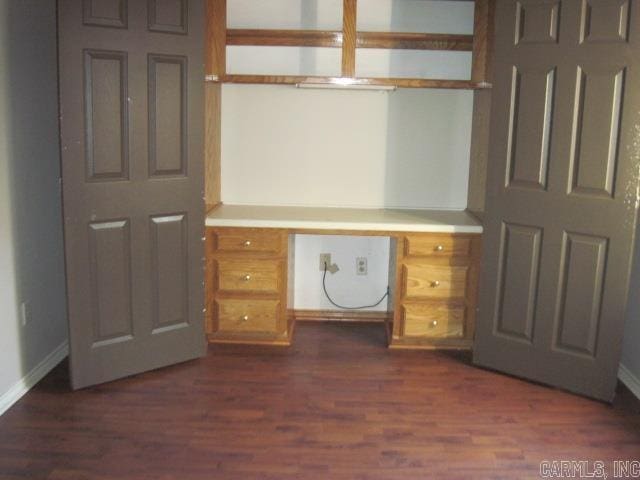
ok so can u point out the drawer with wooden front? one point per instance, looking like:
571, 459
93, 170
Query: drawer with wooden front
247, 291
437, 245
249, 316
437, 279
249, 275
433, 320
249, 240
427, 281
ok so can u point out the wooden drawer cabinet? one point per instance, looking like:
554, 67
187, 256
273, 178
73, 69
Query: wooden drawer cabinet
249, 275
435, 321
437, 276
247, 285
249, 316
437, 245
435, 281
252, 240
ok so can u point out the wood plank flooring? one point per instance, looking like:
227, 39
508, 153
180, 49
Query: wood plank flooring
336, 405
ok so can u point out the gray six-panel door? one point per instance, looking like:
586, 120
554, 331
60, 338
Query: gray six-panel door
131, 110
562, 191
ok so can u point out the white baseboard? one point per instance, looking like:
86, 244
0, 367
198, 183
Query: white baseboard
630, 380
36, 374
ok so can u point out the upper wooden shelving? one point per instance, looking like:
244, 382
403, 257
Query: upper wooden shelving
324, 38
349, 39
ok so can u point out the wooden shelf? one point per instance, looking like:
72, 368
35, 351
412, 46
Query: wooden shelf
219, 37
414, 41
348, 81
284, 38
334, 39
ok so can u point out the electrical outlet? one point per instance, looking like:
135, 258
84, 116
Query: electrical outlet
325, 259
24, 313
361, 265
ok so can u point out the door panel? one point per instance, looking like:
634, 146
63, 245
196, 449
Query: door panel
131, 100
580, 292
561, 192
517, 290
106, 114
169, 270
537, 21
167, 115
168, 16
598, 107
105, 13
530, 126
605, 20
110, 279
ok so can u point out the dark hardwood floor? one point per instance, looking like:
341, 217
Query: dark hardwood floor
337, 405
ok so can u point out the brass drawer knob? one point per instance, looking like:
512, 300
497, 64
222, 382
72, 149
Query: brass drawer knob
435, 284
245, 318
247, 243
439, 248
434, 323
247, 277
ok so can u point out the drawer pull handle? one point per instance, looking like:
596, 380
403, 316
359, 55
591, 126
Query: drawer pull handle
245, 318
247, 243
246, 278
439, 248
434, 323
435, 284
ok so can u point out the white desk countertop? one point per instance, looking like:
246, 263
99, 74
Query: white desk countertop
437, 221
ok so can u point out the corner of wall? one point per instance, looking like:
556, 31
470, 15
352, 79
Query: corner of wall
36, 374
631, 381
31, 239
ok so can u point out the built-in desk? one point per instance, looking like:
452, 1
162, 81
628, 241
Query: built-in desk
315, 218
433, 271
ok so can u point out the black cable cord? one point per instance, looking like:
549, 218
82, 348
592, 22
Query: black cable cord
324, 287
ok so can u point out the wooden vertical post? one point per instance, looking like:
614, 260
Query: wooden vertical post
215, 64
481, 74
349, 38
212, 145
483, 27
215, 71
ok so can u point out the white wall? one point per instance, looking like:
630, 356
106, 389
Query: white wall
414, 16
288, 146
285, 146
284, 14
426, 16
345, 287
630, 361
31, 248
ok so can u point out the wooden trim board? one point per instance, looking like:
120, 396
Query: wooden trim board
349, 38
483, 31
346, 81
212, 145
216, 34
334, 39
284, 38
414, 41
303, 315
